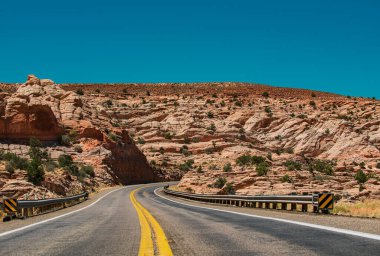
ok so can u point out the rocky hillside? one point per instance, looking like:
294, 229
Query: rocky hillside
229, 137
67, 125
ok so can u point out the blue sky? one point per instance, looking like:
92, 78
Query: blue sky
324, 45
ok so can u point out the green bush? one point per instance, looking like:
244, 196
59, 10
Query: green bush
230, 189
210, 114
65, 140
262, 169
88, 169
361, 177
35, 172
286, 178
227, 167
265, 94
323, 166
219, 183
140, 140
80, 92
168, 135
65, 160
50, 165
14, 160
293, 165
9, 168
78, 149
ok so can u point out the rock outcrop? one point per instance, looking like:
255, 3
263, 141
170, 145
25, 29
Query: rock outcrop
42, 109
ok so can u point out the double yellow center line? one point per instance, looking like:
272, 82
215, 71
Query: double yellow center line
150, 230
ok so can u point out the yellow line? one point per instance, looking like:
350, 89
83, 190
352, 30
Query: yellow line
146, 242
162, 243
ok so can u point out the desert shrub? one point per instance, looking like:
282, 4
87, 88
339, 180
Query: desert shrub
9, 168
244, 160
186, 166
80, 92
222, 103
220, 182
109, 103
227, 167
286, 178
361, 177
78, 149
313, 104
293, 165
313, 95
185, 150
186, 140
265, 94
199, 169
210, 114
140, 140
65, 160
162, 150
168, 135
50, 165
323, 166
97, 90
257, 160
16, 161
209, 150
247, 159
378, 165
212, 128
112, 136
35, 172
268, 109
65, 140
262, 169
88, 169
230, 189
238, 104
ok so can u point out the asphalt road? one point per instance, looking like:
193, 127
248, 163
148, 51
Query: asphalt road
111, 227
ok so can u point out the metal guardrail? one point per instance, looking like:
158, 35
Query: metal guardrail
28, 208
318, 202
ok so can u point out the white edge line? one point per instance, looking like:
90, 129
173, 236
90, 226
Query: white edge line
332, 229
57, 217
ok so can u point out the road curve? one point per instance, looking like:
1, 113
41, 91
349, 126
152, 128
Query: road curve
112, 227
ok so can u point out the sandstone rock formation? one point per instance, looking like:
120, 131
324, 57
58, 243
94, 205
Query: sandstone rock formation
196, 132
42, 109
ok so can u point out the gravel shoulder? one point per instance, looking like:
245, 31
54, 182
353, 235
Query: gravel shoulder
18, 223
367, 225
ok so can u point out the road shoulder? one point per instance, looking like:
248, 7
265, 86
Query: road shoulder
18, 223
366, 225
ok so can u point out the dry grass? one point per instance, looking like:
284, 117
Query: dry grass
367, 208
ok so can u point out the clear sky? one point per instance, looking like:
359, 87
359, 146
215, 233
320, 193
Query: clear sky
324, 45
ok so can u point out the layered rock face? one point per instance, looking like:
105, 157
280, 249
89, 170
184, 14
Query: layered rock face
308, 141
42, 109
194, 130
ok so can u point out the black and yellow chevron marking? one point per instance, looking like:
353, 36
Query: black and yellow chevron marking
326, 201
10, 205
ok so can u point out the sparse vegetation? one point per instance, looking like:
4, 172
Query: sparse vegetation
227, 167
286, 178
262, 169
293, 165
220, 182
265, 94
361, 177
80, 92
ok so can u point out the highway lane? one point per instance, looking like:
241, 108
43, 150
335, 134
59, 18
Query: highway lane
196, 231
112, 227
